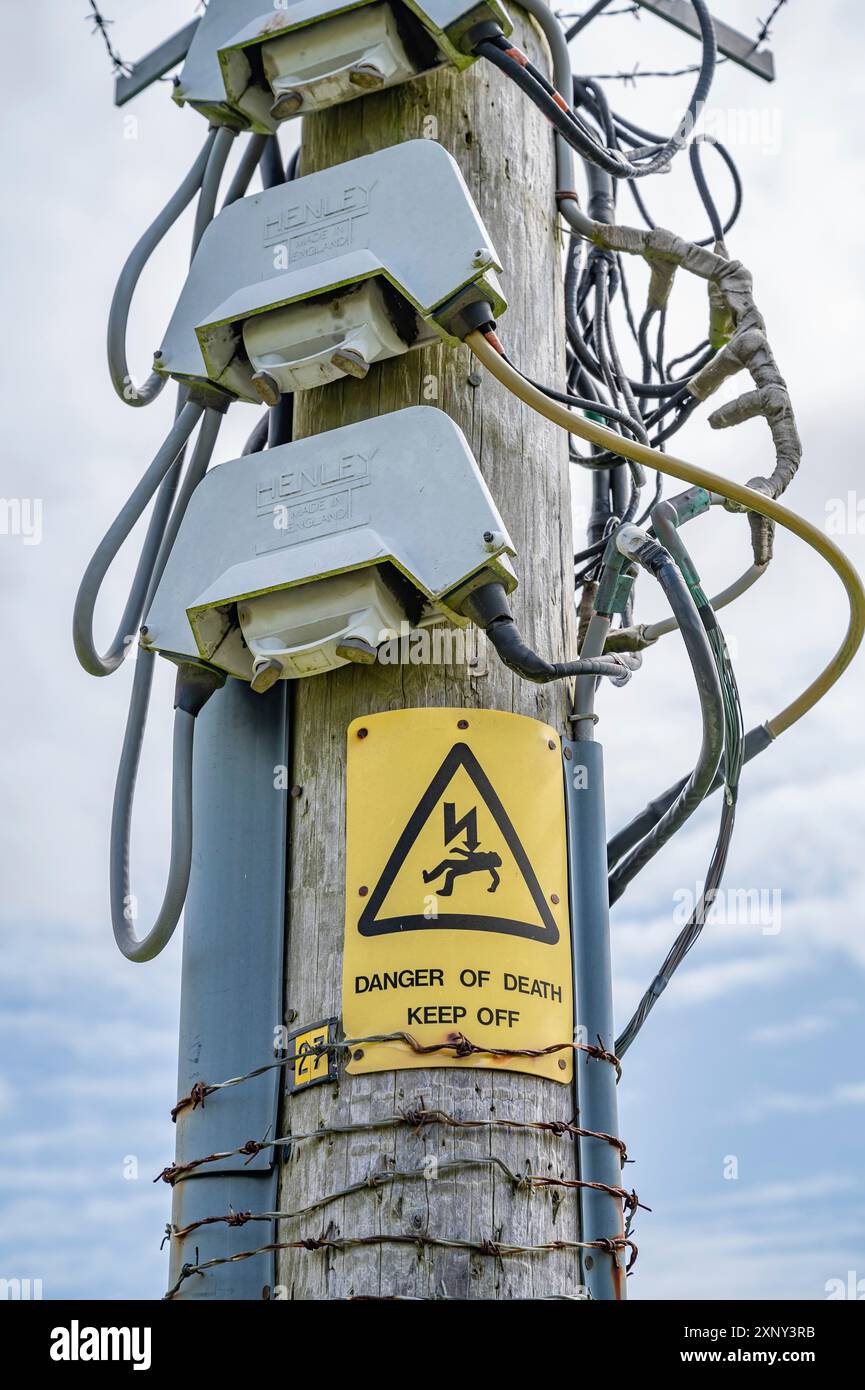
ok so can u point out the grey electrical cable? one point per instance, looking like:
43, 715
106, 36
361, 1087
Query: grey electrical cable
653, 557
94, 575
756, 741
123, 908
205, 175
562, 77
216, 162
194, 687
652, 631
273, 170
575, 132
664, 522
198, 466
122, 901
249, 162
257, 438
118, 314
488, 608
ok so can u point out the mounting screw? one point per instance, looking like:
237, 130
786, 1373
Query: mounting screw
367, 76
483, 256
554, 898
286, 104
362, 890
462, 723
348, 361
362, 733
266, 388
474, 380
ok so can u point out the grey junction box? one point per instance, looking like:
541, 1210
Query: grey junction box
251, 64
400, 222
297, 559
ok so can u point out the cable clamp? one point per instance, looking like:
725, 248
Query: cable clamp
575, 718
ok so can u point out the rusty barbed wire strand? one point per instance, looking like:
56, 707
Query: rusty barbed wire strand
458, 1043
559, 1128
526, 1181
415, 1119
493, 1249
453, 1298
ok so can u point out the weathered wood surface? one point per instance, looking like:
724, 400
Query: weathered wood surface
504, 149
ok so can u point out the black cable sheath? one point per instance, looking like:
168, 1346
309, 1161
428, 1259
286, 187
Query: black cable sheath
657, 561
756, 740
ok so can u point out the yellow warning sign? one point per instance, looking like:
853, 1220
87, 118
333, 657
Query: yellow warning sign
457, 891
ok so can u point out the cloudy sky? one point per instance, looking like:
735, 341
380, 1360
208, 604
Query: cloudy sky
744, 1101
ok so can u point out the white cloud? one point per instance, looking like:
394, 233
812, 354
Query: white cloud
81, 1016
793, 1030
842, 1094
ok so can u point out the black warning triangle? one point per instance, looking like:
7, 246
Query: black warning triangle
370, 924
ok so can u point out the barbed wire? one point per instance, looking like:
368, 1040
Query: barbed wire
766, 24
521, 1182
414, 1119
631, 77
458, 1043
456, 1298
100, 26
119, 66
635, 10
492, 1249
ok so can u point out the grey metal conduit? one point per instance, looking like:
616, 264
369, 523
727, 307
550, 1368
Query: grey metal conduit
562, 80
94, 575
583, 716
118, 314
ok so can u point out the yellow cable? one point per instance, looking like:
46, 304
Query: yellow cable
702, 477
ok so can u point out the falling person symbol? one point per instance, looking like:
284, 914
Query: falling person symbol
471, 861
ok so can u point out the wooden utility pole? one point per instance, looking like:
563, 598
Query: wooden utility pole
504, 148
